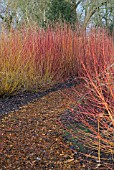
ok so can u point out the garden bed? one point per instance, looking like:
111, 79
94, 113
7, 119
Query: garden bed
14, 102
33, 138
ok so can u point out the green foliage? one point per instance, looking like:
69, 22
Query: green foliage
61, 10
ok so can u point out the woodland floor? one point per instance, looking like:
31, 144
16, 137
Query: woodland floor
32, 138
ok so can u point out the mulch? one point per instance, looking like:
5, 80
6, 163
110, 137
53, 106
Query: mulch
32, 138
15, 101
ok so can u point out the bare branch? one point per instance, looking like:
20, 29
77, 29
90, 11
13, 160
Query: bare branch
92, 12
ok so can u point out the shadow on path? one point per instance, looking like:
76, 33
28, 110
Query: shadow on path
12, 103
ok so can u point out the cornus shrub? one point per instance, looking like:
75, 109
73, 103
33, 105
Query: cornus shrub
34, 58
91, 118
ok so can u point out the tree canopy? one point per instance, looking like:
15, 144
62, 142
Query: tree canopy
84, 12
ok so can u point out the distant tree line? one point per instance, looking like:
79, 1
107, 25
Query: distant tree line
97, 13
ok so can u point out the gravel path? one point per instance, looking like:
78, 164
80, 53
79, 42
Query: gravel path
13, 103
